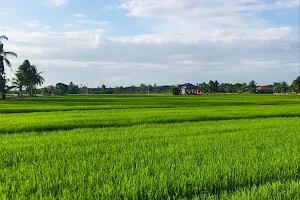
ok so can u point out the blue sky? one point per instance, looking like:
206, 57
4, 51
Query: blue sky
128, 42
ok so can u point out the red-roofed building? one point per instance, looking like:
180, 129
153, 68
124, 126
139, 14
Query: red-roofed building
264, 90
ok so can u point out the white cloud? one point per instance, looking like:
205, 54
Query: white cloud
68, 25
46, 27
82, 21
32, 24
217, 11
228, 56
36, 24
109, 7
97, 23
222, 35
79, 15
98, 64
55, 3
40, 42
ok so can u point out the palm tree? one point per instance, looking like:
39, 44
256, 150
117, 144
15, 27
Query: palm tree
19, 83
252, 86
3, 56
4, 61
29, 76
35, 78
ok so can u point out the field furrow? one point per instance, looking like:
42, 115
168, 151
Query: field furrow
183, 160
160, 147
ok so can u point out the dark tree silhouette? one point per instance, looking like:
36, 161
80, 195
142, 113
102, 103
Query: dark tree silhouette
4, 61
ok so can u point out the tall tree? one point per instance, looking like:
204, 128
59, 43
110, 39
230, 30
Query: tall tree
61, 89
103, 89
19, 83
252, 86
277, 87
216, 86
35, 78
295, 87
73, 89
4, 61
48, 91
240, 88
211, 86
32, 77
204, 87
281, 87
175, 90
284, 87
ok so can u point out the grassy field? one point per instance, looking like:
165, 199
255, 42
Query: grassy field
150, 147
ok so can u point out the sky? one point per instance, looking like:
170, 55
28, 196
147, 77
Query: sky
163, 42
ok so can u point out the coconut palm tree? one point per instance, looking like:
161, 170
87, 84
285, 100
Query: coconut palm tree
4, 61
3, 56
30, 77
35, 78
19, 83
252, 86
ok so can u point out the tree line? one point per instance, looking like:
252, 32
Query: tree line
211, 87
71, 88
278, 87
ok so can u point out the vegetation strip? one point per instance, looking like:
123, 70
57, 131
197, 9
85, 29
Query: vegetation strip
221, 147
219, 159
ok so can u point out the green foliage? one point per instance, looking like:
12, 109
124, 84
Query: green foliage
150, 147
3, 56
204, 87
213, 86
175, 90
252, 86
61, 89
19, 82
4, 61
73, 89
48, 91
28, 76
281, 87
103, 89
295, 87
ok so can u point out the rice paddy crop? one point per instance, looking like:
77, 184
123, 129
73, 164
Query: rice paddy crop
156, 147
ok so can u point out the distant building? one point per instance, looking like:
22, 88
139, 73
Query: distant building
264, 90
190, 89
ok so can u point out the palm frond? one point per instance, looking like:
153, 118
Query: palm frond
10, 87
7, 62
3, 37
13, 87
10, 54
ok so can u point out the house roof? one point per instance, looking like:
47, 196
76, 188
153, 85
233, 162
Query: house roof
264, 88
189, 86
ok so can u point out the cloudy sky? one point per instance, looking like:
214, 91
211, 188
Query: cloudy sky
129, 42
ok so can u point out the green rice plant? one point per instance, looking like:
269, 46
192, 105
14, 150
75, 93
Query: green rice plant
49, 121
150, 147
106, 102
237, 159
